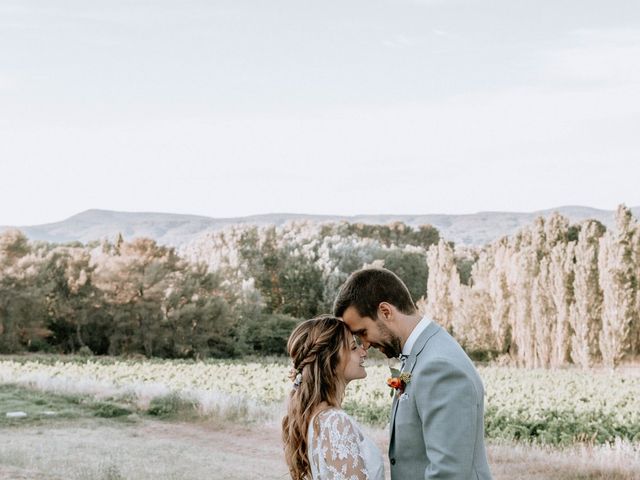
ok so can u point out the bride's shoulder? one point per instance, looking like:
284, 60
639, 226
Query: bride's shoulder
337, 418
333, 413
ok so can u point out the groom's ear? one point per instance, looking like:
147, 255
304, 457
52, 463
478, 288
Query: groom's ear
385, 311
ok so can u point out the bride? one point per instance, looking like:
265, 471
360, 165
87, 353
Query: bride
321, 441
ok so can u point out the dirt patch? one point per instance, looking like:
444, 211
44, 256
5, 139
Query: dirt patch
160, 450
149, 449
14, 473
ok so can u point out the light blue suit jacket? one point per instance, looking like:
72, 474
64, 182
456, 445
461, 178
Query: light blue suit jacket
437, 425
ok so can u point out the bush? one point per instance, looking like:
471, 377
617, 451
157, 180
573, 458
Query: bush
170, 406
555, 427
109, 410
85, 351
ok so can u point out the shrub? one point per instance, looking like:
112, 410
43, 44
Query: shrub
109, 410
85, 351
171, 405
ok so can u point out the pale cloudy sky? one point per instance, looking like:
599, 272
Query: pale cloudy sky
238, 107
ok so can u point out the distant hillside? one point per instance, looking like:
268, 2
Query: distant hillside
174, 229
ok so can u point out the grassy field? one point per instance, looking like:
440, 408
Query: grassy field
559, 407
109, 419
42, 408
101, 440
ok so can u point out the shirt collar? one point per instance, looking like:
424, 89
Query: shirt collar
417, 330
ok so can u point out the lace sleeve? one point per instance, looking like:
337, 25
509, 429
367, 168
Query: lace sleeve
340, 443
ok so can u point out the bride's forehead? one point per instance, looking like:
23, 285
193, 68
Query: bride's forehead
352, 339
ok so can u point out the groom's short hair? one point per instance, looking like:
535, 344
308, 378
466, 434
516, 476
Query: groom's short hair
365, 289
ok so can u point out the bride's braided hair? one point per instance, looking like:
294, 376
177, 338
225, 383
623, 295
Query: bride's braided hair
315, 347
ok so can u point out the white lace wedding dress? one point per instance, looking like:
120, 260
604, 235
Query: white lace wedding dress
340, 451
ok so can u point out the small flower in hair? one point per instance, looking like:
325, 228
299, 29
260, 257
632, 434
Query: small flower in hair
296, 377
297, 381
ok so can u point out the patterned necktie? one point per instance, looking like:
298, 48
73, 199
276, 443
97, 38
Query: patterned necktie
403, 361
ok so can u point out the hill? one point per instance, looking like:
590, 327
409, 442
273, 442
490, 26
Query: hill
176, 229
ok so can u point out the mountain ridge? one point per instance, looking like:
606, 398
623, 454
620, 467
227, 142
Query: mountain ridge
177, 229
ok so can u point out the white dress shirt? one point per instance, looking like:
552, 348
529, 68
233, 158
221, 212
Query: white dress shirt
415, 333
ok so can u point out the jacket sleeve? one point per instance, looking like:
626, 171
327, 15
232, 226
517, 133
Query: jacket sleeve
448, 410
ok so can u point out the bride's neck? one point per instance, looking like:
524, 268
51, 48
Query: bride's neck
341, 393
325, 406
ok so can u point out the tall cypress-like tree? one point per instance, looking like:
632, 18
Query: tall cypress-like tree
543, 315
521, 275
635, 325
619, 286
442, 284
585, 315
561, 273
501, 296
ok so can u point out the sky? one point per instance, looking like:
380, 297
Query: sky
229, 108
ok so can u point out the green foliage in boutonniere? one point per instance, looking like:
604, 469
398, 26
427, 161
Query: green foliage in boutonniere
398, 381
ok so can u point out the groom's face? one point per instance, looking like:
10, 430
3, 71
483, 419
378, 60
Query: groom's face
373, 333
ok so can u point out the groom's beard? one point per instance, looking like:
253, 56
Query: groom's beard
389, 344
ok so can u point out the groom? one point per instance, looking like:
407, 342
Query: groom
437, 423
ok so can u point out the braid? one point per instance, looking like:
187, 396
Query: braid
315, 347
309, 357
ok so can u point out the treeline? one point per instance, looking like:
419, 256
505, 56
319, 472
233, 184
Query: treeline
233, 292
550, 295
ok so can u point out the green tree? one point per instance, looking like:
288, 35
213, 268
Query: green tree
134, 279
22, 308
269, 334
72, 299
198, 317
410, 266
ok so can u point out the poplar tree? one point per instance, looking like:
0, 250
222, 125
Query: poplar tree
619, 286
586, 309
523, 266
543, 316
501, 296
635, 325
561, 278
442, 284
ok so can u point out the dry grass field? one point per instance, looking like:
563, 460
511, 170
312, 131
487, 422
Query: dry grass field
125, 422
143, 449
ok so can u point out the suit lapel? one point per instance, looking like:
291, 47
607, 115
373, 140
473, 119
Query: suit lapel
424, 337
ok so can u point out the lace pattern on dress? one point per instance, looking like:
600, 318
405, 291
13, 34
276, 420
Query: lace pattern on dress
335, 451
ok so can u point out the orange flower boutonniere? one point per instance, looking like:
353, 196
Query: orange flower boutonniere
398, 381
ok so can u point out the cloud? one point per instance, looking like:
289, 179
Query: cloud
596, 57
8, 82
401, 41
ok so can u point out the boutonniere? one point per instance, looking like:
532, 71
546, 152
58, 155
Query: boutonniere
398, 381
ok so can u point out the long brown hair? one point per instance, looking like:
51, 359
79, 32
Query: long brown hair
315, 347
